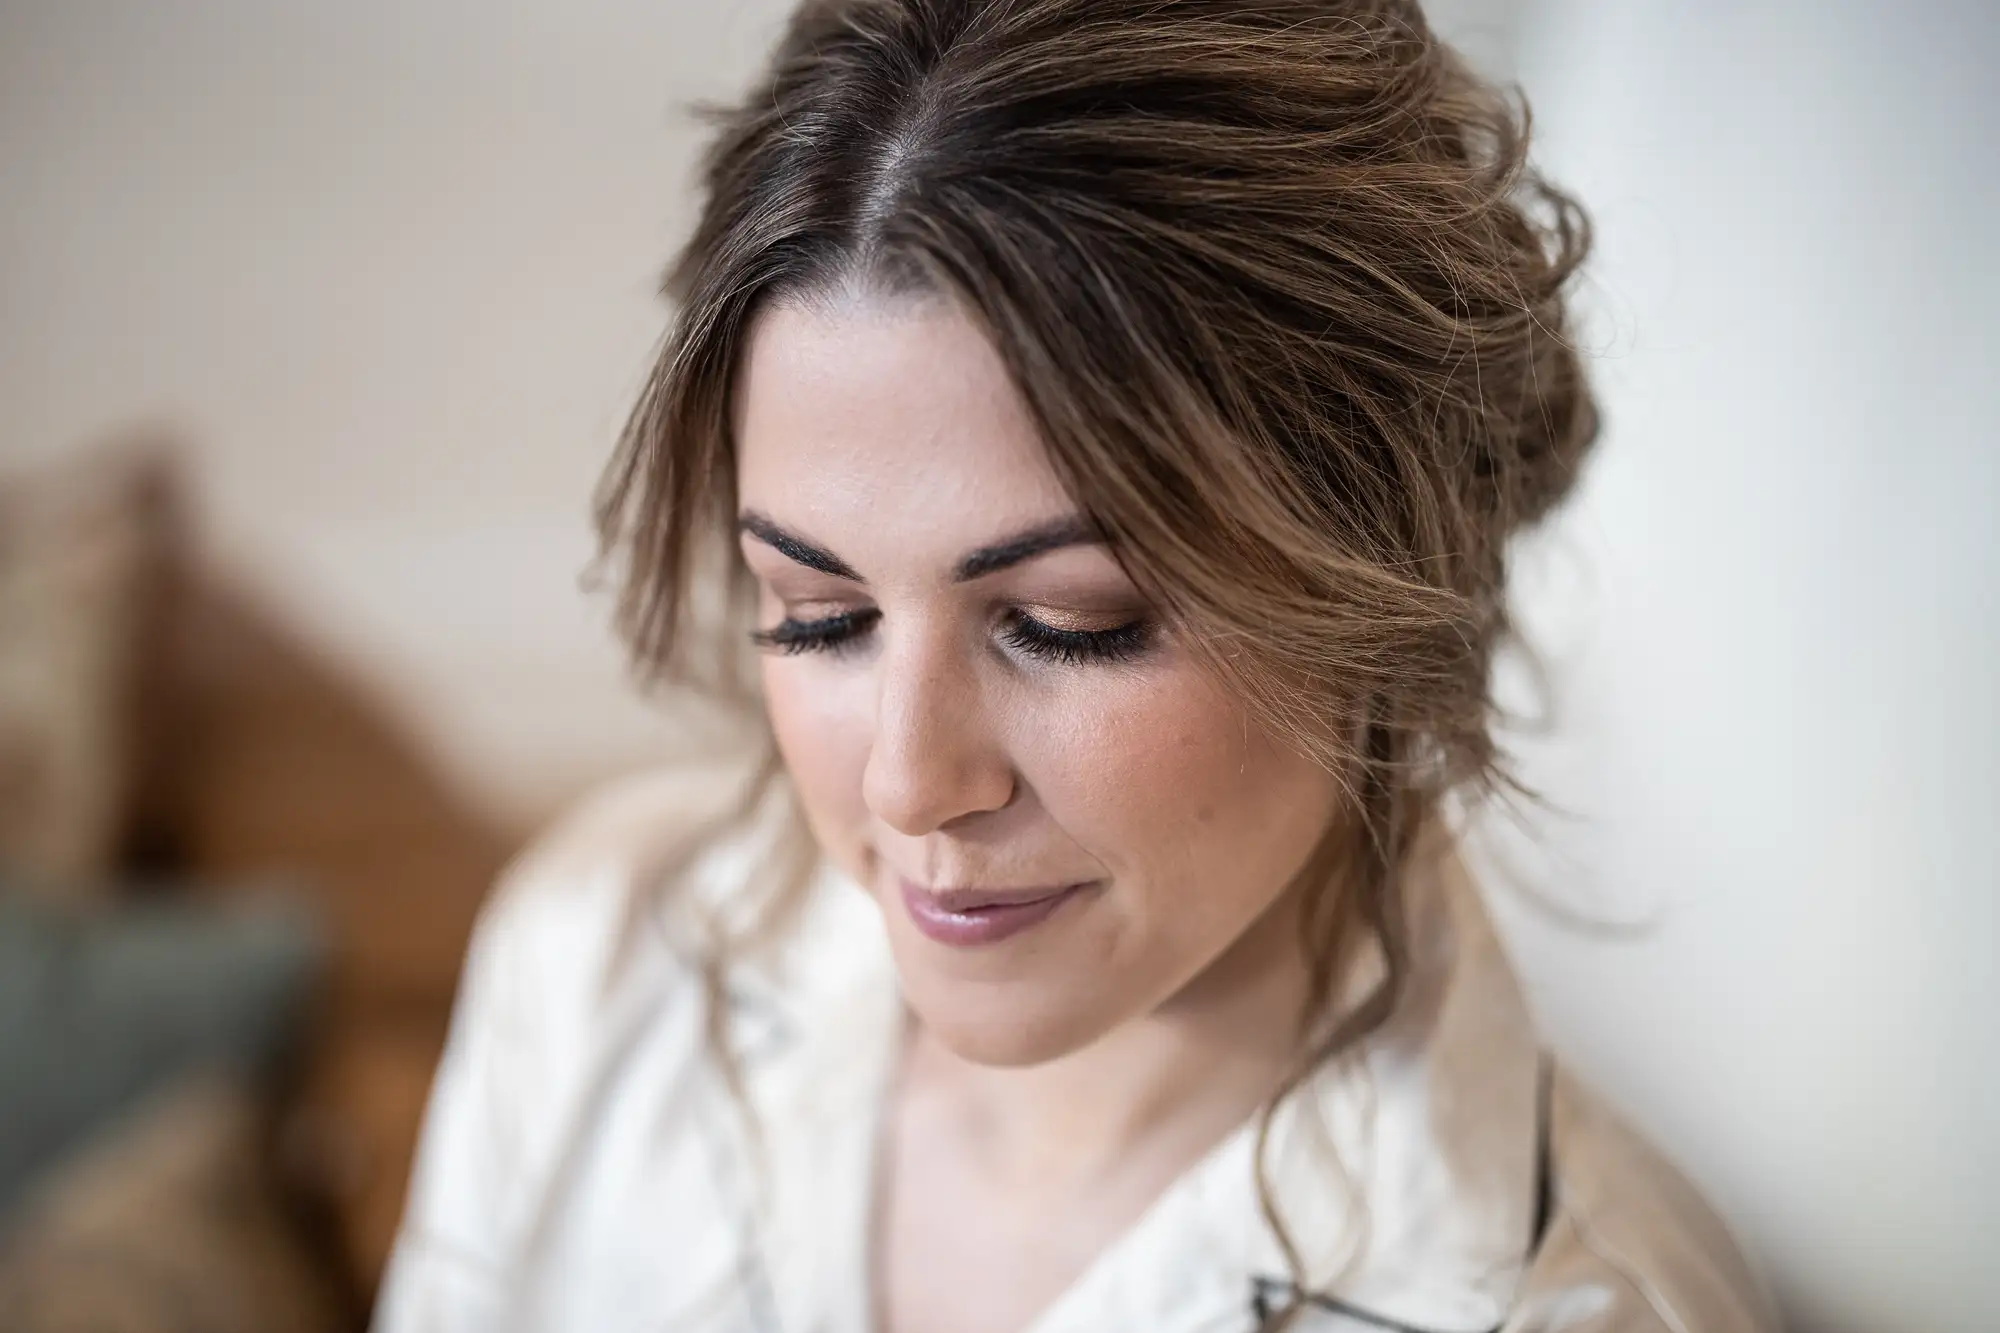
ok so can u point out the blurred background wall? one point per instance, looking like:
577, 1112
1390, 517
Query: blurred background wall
389, 268
1770, 621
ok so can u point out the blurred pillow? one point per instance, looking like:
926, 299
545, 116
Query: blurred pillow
170, 1223
98, 1010
79, 543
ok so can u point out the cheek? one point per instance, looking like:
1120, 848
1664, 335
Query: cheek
1169, 783
820, 722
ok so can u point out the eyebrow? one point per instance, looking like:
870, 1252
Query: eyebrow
975, 564
795, 549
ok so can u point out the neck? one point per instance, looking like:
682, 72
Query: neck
1156, 1091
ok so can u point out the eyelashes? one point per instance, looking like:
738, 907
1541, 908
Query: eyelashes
1073, 647
826, 634
1022, 632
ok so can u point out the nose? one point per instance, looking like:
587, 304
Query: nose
933, 758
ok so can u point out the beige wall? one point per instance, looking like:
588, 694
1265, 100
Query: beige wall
1771, 622
392, 265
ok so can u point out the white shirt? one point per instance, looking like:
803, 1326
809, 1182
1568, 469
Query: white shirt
585, 1165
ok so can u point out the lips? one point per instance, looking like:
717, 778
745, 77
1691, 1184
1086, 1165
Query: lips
968, 917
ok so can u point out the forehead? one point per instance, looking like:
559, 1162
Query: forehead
862, 416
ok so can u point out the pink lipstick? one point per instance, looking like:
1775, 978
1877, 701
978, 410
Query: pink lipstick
965, 917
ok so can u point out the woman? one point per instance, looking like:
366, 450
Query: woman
1112, 415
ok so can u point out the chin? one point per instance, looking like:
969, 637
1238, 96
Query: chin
1001, 1024
1002, 1042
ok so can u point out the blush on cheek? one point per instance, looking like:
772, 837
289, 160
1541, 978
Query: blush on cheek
1164, 775
1172, 744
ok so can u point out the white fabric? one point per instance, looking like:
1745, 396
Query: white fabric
586, 1167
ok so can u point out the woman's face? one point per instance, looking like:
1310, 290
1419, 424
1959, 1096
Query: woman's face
1063, 817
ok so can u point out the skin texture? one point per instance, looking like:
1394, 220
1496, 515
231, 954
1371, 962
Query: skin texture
1056, 1080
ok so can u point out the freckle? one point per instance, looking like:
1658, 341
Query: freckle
1204, 815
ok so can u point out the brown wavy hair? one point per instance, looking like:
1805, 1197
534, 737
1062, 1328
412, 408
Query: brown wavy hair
1285, 300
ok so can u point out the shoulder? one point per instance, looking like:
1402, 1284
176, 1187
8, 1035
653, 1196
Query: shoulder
1629, 1244
580, 1021
592, 890
586, 946
616, 838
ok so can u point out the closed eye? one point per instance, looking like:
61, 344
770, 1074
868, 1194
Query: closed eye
1021, 632
1073, 646
824, 634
